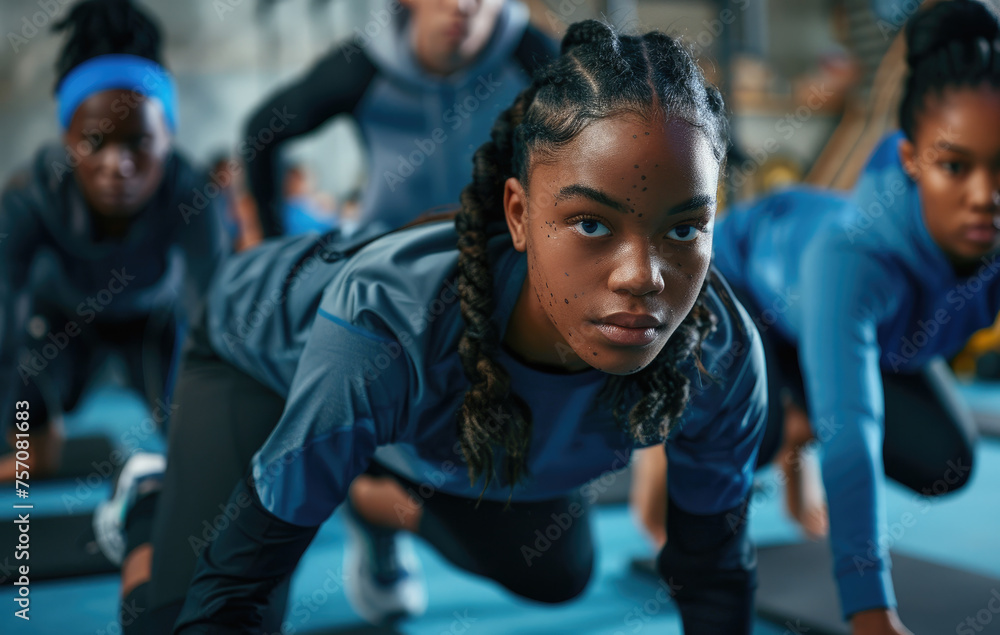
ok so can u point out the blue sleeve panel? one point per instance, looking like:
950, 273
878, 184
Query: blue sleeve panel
859, 285
335, 417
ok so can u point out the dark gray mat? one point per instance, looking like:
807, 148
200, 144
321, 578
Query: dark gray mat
797, 589
59, 547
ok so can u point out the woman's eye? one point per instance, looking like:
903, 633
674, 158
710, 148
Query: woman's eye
684, 233
591, 227
952, 167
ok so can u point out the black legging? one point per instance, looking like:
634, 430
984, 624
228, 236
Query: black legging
223, 416
61, 353
929, 433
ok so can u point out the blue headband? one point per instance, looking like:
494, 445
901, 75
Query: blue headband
107, 72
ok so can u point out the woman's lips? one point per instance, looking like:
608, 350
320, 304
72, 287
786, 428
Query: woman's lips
630, 329
983, 234
625, 336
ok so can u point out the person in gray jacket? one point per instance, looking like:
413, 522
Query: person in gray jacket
424, 80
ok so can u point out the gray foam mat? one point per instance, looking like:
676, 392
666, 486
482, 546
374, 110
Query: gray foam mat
59, 547
796, 588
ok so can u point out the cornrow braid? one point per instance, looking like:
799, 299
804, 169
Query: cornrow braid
103, 27
599, 74
488, 404
949, 45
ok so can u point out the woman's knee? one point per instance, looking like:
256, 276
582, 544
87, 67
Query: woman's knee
556, 583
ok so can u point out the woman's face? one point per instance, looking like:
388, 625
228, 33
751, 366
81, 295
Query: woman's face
617, 227
955, 160
121, 142
452, 32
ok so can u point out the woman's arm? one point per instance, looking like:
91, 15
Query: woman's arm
842, 306
708, 560
334, 85
340, 407
19, 237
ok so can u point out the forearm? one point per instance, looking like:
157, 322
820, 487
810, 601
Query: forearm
238, 570
709, 565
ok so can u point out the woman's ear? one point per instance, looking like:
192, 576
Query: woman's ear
908, 157
515, 209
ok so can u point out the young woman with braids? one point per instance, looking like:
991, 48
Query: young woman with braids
95, 244
469, 393
858, 299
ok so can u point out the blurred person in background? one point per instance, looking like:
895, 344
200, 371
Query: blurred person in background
108, 239
424, 82
859, 297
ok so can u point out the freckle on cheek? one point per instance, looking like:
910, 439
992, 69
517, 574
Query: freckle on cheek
566, 300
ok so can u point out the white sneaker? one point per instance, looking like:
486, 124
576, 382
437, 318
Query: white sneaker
384, 580
141, 474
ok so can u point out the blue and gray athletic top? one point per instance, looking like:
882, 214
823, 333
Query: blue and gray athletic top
366, 352
364, 348
420, 130
859, 286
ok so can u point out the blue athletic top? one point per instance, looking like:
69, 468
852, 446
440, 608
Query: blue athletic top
366, 351
420, 130
50, 252
859, 285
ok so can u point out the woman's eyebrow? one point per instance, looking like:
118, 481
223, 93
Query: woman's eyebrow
593, 194
596, 195
695, 202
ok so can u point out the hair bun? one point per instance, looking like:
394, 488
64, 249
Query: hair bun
955, 24
586, 32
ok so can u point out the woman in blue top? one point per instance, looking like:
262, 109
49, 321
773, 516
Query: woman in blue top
481, 387
858, 298
107, 240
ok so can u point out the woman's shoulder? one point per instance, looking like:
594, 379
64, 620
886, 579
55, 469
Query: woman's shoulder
400, 283
730, 349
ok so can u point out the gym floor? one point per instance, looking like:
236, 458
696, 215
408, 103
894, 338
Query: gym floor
959, 531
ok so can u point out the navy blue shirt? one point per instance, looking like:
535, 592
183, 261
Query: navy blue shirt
365, 350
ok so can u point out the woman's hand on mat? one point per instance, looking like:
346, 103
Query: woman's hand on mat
878, 622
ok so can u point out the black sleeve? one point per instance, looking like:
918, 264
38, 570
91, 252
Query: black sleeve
238, 570
334, 85
535, 50
710, 566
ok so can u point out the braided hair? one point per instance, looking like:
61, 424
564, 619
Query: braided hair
950, 45
599, 74
103, 27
